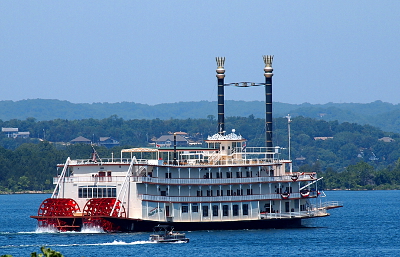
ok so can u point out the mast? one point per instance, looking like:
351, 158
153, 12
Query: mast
220, 76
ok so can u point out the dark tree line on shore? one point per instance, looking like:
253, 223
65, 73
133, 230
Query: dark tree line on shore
351, 156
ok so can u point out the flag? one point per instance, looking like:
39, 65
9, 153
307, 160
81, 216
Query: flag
244, 146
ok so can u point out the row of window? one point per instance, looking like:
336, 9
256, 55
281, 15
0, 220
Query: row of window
229, 192
97, 192
215, 209
218, 174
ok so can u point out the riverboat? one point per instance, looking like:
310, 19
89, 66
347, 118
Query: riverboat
225, 185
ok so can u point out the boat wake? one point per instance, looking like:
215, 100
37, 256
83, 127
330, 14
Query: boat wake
114, 243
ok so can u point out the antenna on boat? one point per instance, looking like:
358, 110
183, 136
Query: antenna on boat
288, 122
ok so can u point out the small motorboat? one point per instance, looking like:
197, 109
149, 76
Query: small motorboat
166, 234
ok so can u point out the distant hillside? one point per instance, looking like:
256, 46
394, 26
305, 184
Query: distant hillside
386, 116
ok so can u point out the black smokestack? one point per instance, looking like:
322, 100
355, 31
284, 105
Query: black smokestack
220, 77
268, 100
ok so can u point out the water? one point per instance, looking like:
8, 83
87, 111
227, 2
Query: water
367, 225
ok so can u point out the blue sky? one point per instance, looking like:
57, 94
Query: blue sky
164, 51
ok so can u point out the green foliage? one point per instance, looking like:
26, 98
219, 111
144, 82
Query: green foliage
351, 157
46, 252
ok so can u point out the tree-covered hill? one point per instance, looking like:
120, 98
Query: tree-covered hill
348, 155
379, 114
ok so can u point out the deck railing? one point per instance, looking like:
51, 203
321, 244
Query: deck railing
208, 199
182, 181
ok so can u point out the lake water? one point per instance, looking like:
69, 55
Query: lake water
367, 225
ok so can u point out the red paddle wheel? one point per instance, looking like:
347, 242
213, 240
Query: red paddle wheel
57, 212
97, 210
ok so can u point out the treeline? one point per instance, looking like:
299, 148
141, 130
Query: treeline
379, 114
348, 155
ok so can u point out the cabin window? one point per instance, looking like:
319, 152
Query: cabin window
163, 193
245, 209
218, 194
205, 211
239, 191
229, 174
195, 207
235, 210
199, 193
168, 175
84, 194
225, 210
249, 191
219, 174
95, 192
288, 190
185, 208
209, 193
248, 174
215, 210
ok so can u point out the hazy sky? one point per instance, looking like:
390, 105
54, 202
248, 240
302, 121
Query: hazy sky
164, 51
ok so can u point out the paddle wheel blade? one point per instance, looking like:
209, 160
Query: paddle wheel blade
97, 210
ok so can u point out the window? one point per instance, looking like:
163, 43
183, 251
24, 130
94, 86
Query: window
288, 190
248, 174
225, 210
185, 208
239, 191
209, 193
235, 210
205, 211
238, 174
199, 193
163, 193
245, 209
218, 193
249, 191
168, 175
229, 175
215, 210
195, 207
219, 174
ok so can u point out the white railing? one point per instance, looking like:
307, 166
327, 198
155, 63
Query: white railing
214, 161
289, 215
332, 204
180, 181
208, 199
